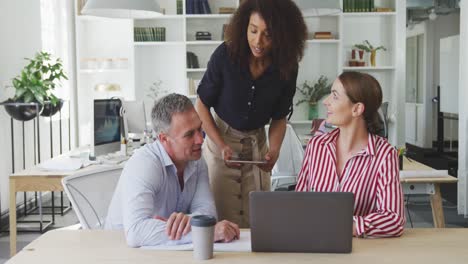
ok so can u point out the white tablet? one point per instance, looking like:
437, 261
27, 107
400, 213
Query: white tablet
248, 161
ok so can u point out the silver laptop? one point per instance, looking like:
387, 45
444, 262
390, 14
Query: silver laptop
319, 222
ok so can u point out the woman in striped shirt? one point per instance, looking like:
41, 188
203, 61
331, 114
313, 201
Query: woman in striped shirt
352, 158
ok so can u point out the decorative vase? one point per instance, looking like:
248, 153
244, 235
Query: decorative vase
313, 111
21, 111
50, 110
372, 57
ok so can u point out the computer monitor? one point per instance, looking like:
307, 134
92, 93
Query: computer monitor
134, 116
107, 126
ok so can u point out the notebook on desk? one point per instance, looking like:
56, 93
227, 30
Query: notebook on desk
301, 221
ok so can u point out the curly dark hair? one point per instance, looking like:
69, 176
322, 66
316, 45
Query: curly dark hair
285, 25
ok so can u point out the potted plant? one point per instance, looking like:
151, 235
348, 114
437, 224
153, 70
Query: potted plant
401, 153
156, 90
313, 93
35, 85
366, 46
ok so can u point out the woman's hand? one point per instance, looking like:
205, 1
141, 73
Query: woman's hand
226, 154
271, 157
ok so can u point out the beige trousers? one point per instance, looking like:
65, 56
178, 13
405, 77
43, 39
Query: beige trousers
231, 187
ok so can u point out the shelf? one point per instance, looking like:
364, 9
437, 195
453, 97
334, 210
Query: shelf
163, 17
204, 42
102, 70
158, 43
324, 41
197, 70
367, 14
209, 16
314, 15
378, 68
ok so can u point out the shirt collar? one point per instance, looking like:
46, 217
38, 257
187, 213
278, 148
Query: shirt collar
167, 161
331, 138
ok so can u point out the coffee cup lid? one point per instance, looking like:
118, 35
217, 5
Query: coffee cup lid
203, 221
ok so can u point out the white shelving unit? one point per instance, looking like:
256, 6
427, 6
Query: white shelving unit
149, 62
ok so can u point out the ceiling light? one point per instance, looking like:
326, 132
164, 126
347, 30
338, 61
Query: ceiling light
122, 8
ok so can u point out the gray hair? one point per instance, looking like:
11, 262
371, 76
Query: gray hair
164, 108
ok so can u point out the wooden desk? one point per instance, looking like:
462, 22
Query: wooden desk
429, 245
34, 180
39, 180
427, 185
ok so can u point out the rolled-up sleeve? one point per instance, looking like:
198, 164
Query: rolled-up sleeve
285, 102
388, 219
209, 88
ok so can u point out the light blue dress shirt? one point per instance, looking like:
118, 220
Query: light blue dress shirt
148, 187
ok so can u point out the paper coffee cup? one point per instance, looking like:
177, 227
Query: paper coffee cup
203, 236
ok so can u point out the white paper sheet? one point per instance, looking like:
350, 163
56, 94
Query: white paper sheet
62, 164
243, 244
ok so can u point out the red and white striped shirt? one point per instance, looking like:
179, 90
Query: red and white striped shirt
371, 174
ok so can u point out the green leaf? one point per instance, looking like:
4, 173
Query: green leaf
28, 97
19, 92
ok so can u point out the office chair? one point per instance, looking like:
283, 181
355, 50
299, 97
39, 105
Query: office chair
383, 115
289, 162
90, 193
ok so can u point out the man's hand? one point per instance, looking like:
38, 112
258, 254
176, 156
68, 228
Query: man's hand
271, 157
226, 231
226, 153
178, 224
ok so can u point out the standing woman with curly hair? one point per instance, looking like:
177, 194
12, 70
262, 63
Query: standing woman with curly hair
250, 82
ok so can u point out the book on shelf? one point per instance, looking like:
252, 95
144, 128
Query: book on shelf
226, 10
179, 7
323, 35
384, 9
192, 86
149, 34
205, 7
192, 60
359, 6
197, 7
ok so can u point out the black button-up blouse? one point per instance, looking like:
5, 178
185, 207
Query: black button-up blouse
242, 102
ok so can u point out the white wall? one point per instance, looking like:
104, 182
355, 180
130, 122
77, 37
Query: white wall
425, 119
443, 26
21, 29
21, 37
463, 113
433, 31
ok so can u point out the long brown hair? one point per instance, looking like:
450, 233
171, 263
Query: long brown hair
365, 89
286, 27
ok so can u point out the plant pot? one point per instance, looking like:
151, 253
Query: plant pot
50, 110
21, 111
313, 111
361, 54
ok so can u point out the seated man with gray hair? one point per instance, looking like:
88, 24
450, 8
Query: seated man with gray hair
165, 183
